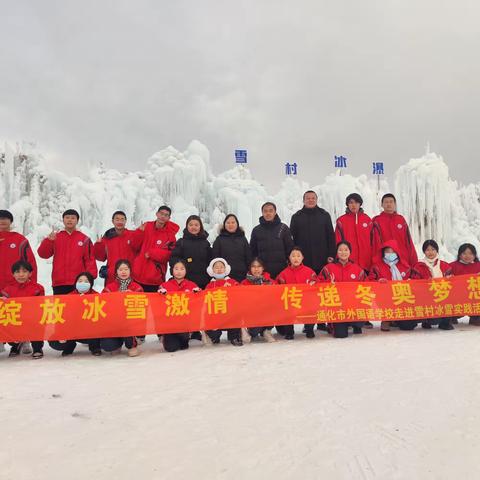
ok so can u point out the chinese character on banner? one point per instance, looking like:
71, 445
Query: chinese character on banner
441, 290
216, 301
329, 296
365, 295
378, 168
10, 313
94, 309
474, 288
402, 293
292, 297
177, 305
240, 156
136, 306
52, 312
340, 162
291, 168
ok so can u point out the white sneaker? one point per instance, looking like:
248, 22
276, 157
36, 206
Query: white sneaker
268, 337
206, 339
246, 338
26, 348
133, 352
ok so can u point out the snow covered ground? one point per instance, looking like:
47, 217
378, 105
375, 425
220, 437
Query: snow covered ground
397, 405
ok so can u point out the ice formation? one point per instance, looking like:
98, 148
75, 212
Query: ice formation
435, 206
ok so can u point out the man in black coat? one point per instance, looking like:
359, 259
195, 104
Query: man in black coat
271, 240
312, 231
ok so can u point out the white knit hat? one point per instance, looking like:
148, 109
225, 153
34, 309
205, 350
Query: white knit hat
228, 268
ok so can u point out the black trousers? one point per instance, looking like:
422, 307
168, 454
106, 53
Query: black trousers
111, 344
63, 289
70, 345
175, 341
149, 288
36, 346
340, 329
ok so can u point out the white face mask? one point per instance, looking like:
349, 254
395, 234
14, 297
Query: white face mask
82, 287
219, 276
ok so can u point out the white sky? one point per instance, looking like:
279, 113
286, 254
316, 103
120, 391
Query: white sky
115, 81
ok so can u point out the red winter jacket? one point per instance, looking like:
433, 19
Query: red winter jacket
459, 268
392, 226
268, 280
381, 270
113, 247
14, 247
300, 274
224, 282
72, 254
158, 243
27, 289
115, 287
357, 230
421, 270
336, 272
184, 286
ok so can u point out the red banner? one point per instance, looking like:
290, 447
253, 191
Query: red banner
127, 314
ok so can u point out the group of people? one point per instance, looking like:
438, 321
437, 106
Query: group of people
311, 250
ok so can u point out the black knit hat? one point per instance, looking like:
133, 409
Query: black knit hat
356, 197
6, 214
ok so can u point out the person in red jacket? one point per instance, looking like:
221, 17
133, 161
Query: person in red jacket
297, 272
24, 286
117, 243
72, 253
343, 269
219, 270
150, 265
123, 283
178, 283
392, 267
13, 247
355, 227
432, 267
467, 263
83, 286
390, 225
258, 276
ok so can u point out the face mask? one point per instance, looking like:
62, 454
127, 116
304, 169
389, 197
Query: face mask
82, 287
390, 257
219, 276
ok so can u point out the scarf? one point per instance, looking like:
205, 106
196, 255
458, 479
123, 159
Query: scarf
396, 275
124, 284
434, 266
257, 280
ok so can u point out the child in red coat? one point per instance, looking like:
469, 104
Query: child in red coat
296, 272
83, 286
23, 287
392, 267
258, 276
178, 283
219, 270
123, 283
432, 267
467, 263
343, 270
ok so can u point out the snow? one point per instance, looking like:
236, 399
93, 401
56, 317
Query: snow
401, 406
435, 206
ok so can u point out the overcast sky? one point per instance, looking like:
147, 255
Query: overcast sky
290, 81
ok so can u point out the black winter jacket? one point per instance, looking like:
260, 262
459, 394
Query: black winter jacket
272, 242
196, 252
